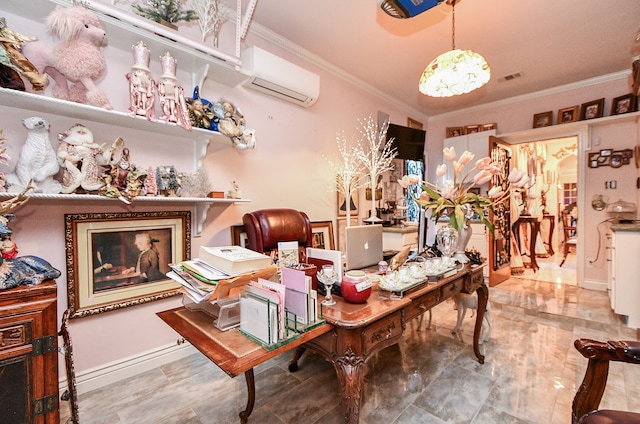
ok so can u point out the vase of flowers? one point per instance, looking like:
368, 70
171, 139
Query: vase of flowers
454, 198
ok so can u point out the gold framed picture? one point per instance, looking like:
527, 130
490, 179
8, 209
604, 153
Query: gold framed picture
239, 236
455, 131
592, 110
412, 123
623, 104
489, 127
568, 114
116, 260
543, 119
470, 129
323, 235
342, 205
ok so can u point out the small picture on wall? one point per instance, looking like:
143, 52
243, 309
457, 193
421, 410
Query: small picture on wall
568, 114
470, 129
543, 119
623, 104
454, 131
592, 110
488, 127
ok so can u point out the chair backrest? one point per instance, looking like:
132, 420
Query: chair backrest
568, 226
267, 227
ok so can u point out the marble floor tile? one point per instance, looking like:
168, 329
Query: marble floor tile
530, 375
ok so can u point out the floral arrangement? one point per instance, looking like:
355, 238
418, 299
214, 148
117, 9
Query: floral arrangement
454, 197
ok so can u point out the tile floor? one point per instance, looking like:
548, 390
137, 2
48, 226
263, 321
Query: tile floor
530, 375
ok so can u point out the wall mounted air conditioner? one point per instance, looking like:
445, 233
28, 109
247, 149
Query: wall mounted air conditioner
273, 75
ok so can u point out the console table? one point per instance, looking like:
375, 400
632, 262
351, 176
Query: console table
353, 334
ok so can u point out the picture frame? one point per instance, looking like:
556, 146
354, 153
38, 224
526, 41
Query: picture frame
592, 110
323, 235
610, 157
567, 114
470, 129
342, 206
543, 119
455, 131
623, 104
239, 236
109, 266
412, 123
489, 127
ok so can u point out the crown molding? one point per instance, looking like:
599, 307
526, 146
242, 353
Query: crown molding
297, 50
615, 76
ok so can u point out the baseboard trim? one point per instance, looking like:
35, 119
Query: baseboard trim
594, 285
113, 372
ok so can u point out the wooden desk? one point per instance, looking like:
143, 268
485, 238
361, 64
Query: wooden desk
352, 335
359, 331
229, 350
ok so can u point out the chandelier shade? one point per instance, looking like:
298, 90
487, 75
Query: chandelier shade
456, 71
453, 73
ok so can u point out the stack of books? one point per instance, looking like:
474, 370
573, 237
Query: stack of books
199, 277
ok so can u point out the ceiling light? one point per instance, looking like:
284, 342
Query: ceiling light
456, 71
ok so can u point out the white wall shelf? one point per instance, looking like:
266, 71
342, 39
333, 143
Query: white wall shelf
201, 204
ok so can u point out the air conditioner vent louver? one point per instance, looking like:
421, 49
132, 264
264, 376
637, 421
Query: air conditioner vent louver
275, 76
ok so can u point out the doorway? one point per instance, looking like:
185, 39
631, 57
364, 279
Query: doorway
557, 181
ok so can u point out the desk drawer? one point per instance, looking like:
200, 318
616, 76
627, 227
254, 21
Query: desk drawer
421, 305
473, 281
451, 288
382, 333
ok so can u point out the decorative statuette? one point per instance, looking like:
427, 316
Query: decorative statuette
142, 87
171, 94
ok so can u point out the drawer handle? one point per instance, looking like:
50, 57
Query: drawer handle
423, 306
379, 335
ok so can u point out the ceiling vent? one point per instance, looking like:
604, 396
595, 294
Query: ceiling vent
275, 76
511, 77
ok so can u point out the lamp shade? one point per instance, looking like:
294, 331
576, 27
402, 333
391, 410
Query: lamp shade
454, 72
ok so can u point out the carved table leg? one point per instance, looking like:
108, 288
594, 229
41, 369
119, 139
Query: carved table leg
251, 396
293, 364
350, 370
483, 297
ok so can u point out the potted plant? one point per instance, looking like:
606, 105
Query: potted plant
165, 12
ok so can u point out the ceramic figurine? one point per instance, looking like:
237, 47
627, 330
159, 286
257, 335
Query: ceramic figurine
123, 180
142, 87
171, 94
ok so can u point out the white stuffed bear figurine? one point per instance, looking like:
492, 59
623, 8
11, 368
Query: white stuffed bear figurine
37, 160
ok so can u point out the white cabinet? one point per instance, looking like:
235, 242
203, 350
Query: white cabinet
625, 285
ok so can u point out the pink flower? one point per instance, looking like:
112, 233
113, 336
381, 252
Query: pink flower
466, 157
448, 190
522, 182
482, 177
441, 170
515, 175
457, 166
449, 153
496, 191
424, 196
408, 180
483, 163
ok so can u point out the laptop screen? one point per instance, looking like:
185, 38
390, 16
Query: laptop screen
363, 246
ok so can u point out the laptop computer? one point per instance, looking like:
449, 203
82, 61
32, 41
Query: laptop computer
363, 246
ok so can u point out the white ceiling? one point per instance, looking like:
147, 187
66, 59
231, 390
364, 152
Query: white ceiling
552, 42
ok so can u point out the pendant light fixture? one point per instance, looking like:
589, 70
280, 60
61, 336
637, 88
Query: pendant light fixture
456, 71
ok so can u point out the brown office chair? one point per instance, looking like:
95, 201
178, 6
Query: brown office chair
569, 232
266, 227
587, 399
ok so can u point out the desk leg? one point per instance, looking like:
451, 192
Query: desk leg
251, 397
483, 297
350, 370
535, 230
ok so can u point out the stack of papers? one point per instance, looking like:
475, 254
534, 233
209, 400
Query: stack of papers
233, 260
195, 288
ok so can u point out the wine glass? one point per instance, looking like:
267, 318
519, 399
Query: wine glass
328, 277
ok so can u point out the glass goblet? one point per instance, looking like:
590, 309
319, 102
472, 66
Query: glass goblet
328, 277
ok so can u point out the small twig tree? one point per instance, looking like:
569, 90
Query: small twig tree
210, 18
376, 158
347, 173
